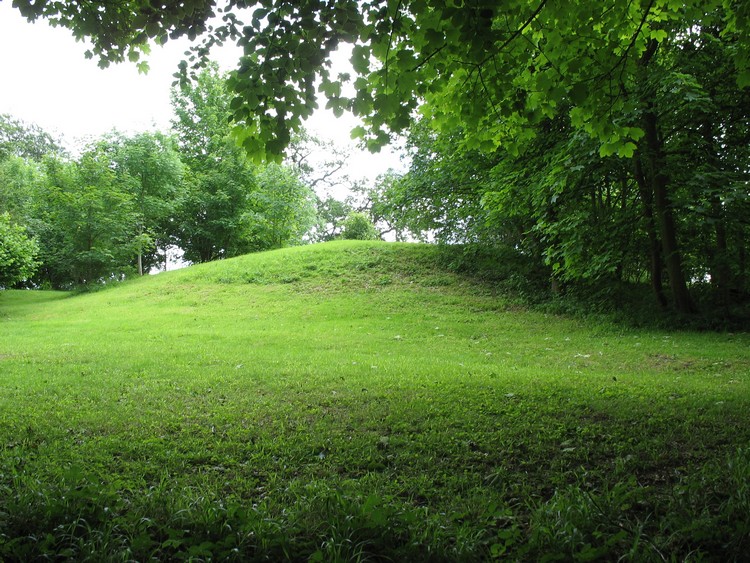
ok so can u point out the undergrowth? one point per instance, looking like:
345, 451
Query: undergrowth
704, 516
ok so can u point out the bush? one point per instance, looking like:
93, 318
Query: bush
357, 226
18, 253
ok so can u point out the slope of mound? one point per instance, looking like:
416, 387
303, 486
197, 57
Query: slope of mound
334, 265
353, 401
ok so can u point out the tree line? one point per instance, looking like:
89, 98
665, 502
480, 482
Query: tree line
125, 201
669, 209
607, 142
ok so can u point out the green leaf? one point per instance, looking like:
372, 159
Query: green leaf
608, 149
153, 29
659, 35
578, 93
627, 150
743, 78
360, 59
358, 132
236, 103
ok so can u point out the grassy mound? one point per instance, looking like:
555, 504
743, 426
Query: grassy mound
354, 401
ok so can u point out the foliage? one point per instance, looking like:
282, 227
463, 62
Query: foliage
358, 226
86, 222
670, 214
569, 206
150, 167
18, 253
93, 215
213, 219
330, 217
442, 193
370, 402
662, 84
19, 179
708, 154
118, 207
25, 140
494, 70
281, 209
380, 201
22, 146
231, 206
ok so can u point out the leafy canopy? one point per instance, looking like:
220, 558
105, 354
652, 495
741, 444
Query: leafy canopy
18, 253
492, 68
25, 140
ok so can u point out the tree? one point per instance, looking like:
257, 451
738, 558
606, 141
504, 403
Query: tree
494, 68
496, 73
319, 164
593, 217
150, 168
708, 151
282, 209
386, 210
85, 220
24, 140
330, 217
213, 215
18, 180
445, 194
231, 206
18, 253
357, 226
214, 210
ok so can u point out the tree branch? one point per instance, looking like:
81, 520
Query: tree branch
518, 31
428, 57
390, 42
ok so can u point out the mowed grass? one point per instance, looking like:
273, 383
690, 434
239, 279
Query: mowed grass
357, 401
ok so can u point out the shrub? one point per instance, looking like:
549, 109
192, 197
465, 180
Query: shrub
357, 226
18, 253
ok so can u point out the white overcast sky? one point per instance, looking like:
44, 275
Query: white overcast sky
45, 79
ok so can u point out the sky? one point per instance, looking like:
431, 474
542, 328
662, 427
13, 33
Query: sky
45, 79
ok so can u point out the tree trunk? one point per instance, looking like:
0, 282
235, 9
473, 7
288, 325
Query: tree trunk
720, 272
658, 183
656, 166
655, 263
624, 192
742, 263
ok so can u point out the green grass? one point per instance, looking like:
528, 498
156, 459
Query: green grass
356, 401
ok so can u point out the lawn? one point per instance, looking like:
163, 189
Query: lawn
360, 401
